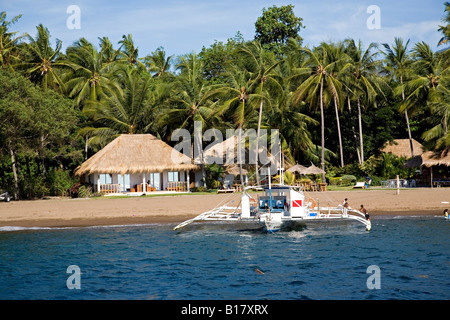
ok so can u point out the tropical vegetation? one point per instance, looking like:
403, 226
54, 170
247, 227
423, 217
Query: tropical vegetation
335, 104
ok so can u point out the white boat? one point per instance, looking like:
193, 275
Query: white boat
278, 207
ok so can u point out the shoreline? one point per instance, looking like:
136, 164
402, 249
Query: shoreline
98, 222
178, 208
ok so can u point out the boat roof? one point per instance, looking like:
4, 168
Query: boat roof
277, 186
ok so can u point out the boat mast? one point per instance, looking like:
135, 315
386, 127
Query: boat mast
270, 188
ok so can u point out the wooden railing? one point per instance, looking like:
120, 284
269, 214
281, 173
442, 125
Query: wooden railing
177, 186
110, 188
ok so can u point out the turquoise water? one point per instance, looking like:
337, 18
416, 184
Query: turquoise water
322, 261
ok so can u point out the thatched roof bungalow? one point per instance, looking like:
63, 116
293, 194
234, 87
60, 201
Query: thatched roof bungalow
402, 148
139, 163
434, 167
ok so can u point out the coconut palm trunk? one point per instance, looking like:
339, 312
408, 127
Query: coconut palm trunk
354, 133
322, 131
16, 180
361, 142
341, 152
258, 135
407, 120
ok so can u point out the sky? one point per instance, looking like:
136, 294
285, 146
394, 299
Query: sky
182, 26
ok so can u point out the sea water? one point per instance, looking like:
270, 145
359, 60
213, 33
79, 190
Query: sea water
400, 258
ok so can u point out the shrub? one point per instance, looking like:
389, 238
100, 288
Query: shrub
35, 187
199, 189
336, 181
348, 179
84, 192
59, 182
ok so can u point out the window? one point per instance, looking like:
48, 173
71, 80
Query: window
105, 178
172, 176
154, 180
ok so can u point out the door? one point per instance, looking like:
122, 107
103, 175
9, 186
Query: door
124, 181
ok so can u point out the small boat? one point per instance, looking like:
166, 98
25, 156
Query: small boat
280, 206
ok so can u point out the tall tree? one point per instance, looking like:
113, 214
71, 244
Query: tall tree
158, 63
190, 101
261, 65
319, 70
9, 51
276, 26
338, 61
238, 102
129, 52
128, 112
445, 29
364, 82
398, 64
90, 75
40, 59
428, 86
35, 125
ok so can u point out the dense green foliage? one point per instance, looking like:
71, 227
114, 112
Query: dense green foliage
335, 105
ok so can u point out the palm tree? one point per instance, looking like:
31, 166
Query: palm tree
129, 52
90, 75
445, 29
157, 62
109, 54
319, 70
237, 102
398, 63
440, 133
190, 101
335, 54
128, 112
261, 65
430, 86
364, 82
430, 71
40, 59
293, 125
9, 51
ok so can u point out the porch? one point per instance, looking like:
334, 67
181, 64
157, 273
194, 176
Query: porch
117, 189
163, 182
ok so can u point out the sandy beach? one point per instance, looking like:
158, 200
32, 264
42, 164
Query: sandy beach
177, 208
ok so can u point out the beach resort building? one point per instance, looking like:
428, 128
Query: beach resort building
137, 163
433, 169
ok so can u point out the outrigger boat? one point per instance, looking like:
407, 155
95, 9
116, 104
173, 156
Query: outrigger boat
280, 206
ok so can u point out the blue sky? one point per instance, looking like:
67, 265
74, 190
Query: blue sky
182, 26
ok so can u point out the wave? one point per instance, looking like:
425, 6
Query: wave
17, 228
14, 228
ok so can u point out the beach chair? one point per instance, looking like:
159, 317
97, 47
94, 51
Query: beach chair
359, 185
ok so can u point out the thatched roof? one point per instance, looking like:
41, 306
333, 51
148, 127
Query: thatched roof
221, 150
136, 153
235, 170
429, 159
227, 150
313, 170
402, 148
297, 168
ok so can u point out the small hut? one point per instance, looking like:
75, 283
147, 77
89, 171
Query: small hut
137, 163
434, 168
402, 148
